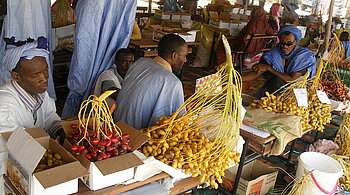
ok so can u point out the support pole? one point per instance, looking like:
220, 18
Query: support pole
149, 6
328, 29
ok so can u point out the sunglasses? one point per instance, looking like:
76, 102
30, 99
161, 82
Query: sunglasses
287, 43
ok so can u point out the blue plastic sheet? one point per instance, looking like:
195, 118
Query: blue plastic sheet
102, 28
27, 19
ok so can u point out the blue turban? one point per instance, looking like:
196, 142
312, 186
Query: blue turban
13, 54
293, 29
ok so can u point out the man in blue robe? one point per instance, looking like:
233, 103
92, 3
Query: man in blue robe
283, 63
150, 89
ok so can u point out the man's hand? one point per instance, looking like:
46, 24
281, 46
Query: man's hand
60, 136
261, 67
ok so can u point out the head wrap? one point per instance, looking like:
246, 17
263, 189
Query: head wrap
274, 10
258, 13
293, 29
13, 54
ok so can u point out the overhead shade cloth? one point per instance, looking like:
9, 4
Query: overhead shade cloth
102, 28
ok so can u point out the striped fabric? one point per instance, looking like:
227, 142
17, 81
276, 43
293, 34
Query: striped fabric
33, 103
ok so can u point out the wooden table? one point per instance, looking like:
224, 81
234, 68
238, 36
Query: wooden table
261, 147
179, 187
147, 47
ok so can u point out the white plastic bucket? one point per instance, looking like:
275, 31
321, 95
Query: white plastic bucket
326, 172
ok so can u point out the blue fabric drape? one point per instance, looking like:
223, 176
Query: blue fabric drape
27, 19
102, 28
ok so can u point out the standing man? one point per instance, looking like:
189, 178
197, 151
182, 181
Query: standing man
24, 101
151, 89
112, 79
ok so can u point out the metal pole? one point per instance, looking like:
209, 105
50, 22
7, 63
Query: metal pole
150, 6
328, 29
240, 166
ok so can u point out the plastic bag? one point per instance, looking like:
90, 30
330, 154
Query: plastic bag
204, 49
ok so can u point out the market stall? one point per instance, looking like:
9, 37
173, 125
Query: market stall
217, 143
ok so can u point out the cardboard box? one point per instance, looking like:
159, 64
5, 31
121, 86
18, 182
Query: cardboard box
235, 10
248, 12
235, 16
244, 17
175, 16
257, 178
186, 16
113, 170
303, 30
187, 34
221, 21
165, 15
26, 148
239, 2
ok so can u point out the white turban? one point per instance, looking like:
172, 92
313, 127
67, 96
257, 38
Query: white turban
13, 54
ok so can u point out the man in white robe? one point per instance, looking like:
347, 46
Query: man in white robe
150, 89
112, 79
24, 101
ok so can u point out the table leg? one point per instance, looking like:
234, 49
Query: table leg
240, 166
316, 135
291, 150
212, 50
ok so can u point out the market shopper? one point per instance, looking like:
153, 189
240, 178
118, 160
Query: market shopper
276, 11
112, 79
258, 24
283, 63
151, 89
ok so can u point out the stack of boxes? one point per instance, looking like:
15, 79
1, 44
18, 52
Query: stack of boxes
168, 15
232, 18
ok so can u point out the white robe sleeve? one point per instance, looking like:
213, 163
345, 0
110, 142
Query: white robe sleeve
7, 118
53, 121
7, 123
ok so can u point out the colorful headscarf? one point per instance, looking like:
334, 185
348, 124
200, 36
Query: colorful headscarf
275, 13
274, 10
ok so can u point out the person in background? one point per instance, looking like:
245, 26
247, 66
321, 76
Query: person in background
171, 5
258, 24
276, 11
24, 101
344, 38
151, 89
335, 22
112, 79
283, 63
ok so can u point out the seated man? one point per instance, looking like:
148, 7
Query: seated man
111, 79
286, 62
150, 89
344, 38
24, 101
